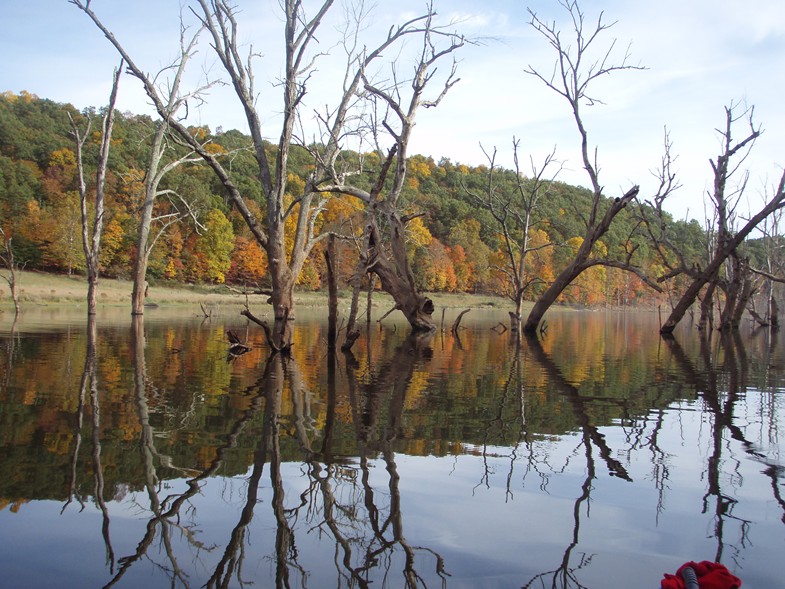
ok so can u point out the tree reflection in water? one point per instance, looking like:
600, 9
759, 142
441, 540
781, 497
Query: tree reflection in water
89, 381
301, 463
565, 575
729, 358
365, 533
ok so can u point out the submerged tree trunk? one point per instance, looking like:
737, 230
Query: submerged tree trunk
689, 296
283, 308
346, 118
8, 258
571, 78
91, 233
396, 276
140, 264
727, 242
330, 256
582, 260
706, 318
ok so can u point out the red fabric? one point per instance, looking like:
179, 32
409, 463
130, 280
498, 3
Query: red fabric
711, 575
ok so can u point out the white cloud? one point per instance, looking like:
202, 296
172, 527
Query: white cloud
701, 55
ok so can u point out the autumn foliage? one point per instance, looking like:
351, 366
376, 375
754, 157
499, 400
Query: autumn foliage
454, 245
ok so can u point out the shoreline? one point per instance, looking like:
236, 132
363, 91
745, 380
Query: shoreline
38, 289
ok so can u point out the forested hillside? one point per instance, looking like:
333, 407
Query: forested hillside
454, 241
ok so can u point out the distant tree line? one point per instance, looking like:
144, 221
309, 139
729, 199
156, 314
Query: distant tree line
456, 245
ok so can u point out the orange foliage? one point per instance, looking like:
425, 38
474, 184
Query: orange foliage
465, 277
249, 262
440, 276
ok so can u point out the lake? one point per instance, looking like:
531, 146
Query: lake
143, 454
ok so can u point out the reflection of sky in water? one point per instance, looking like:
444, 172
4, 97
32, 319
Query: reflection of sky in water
496, 516
492, 526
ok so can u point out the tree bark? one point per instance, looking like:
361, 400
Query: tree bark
581, 262
8, 258
332, 289
689, 296
397, 278
151, 188
92, 243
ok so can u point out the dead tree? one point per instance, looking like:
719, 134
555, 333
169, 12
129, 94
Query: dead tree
513, 207
7, 259
771, 275
725, 253
92, 231
179, 208
384, 250
286, 260
573, 74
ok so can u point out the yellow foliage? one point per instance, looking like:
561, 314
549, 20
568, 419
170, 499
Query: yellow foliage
417, 233
337, 210
63, 158
112, 239
419, 167
214, 148
575, 243
170, 271
295, 185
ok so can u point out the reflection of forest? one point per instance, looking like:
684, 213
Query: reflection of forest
606, 374
89, 416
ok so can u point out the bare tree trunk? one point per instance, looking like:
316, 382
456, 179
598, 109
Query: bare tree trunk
581, 262
689, 296
139, 293
397, 278
301, 32
369, 299
733, 292
8, 258
332, 289
747, 291
774, 313
92, 243
571, 79
706, 318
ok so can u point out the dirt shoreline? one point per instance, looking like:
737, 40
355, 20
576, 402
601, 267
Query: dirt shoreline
37, 288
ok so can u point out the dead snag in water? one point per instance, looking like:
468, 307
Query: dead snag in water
268, 333
237, 346
457, 325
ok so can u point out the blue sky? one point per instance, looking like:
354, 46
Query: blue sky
700, 55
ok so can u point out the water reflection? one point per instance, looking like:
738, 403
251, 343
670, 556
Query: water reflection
418, 462
722, 386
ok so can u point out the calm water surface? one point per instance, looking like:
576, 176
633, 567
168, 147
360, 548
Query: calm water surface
599, 456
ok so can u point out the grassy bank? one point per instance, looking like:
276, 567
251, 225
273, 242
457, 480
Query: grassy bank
35, 288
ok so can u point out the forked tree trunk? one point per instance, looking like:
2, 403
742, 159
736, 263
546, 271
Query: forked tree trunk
92, 243
396, 275
689, 296
581, 262
146, 218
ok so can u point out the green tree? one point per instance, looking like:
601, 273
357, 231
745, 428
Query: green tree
216, 245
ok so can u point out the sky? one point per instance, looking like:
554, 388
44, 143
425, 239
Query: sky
699, 57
